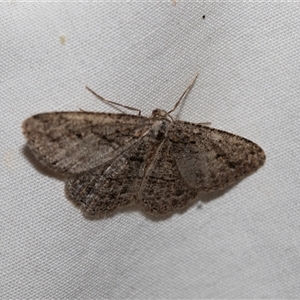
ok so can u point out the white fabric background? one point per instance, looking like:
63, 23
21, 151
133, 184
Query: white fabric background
245, 242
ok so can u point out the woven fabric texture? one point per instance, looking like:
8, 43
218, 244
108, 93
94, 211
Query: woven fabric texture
240, 243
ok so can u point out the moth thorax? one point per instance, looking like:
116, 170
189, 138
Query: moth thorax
159, 129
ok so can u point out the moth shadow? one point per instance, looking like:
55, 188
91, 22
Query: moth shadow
45, 170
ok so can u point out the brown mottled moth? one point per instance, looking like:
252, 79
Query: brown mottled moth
113, 160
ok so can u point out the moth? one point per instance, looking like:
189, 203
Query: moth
112, 160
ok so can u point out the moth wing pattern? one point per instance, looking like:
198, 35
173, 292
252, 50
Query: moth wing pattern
74, 142
194, 158
163, 189
210, 159
116, 183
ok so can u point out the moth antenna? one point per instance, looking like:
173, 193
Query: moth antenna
184, 93
112, 102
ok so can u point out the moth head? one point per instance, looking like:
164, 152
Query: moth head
161, 114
